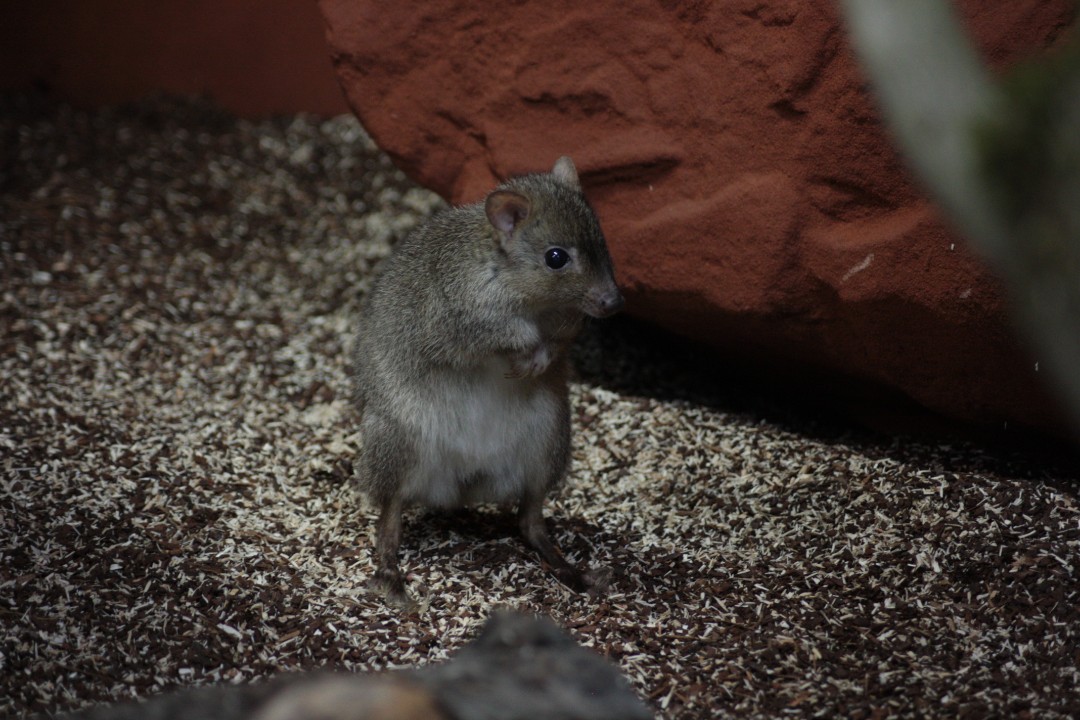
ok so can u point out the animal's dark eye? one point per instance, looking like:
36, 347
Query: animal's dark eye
556, 258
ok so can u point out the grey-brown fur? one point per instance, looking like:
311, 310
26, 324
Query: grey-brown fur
460, 365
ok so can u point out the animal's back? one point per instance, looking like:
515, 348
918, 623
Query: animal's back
401, 317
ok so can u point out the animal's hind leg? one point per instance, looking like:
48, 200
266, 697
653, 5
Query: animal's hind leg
388, 578
534, 530
382, 468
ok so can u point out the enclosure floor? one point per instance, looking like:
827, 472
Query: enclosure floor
176, 292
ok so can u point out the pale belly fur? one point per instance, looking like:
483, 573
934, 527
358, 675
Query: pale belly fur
481, 437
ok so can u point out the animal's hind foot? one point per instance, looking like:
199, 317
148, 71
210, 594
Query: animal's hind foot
390, 584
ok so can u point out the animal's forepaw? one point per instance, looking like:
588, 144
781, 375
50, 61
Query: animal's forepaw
530, 363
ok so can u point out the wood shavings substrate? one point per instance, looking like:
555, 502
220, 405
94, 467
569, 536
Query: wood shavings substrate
178, 287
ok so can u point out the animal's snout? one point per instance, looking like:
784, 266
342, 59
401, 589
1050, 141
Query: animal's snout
605, 303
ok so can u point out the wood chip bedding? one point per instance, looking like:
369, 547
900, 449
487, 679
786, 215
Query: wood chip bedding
175, 454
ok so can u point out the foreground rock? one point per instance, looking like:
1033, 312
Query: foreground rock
519, 667
751, 197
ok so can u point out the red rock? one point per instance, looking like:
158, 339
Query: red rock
749, 192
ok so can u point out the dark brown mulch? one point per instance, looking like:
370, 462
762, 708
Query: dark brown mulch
176, 289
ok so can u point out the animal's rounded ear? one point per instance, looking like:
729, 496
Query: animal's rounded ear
506, 210
565, 172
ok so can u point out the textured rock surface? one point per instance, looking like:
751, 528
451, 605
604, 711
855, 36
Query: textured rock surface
749, 192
